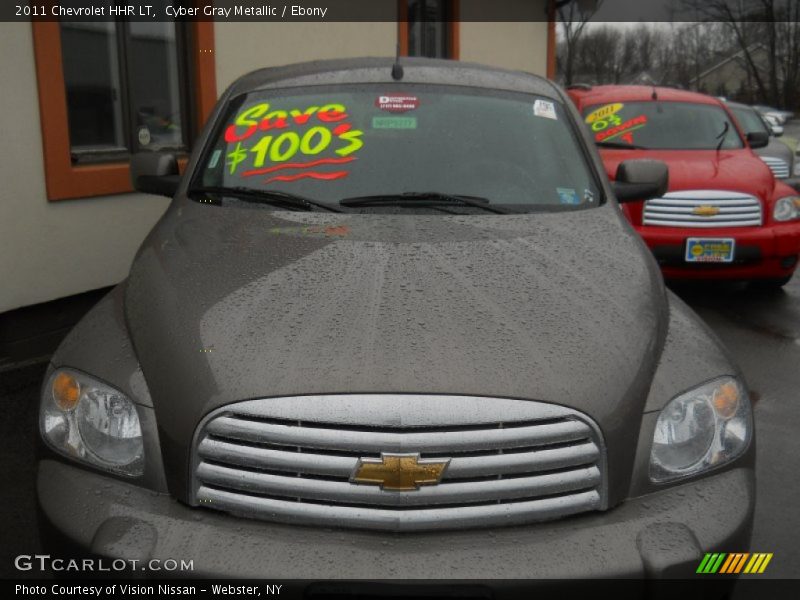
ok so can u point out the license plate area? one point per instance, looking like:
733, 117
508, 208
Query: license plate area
710, 250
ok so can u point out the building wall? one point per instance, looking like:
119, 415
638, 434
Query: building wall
244, 47
520, 45
49, 250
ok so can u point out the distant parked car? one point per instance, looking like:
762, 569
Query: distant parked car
778, 156
725, 215
775, 126
781, 115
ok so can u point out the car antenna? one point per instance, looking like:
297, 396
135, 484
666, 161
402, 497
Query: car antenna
397, 68
655, 94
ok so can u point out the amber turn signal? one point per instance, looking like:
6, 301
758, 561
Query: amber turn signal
726, 400
66, 391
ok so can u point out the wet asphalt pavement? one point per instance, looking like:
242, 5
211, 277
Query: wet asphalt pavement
762, 331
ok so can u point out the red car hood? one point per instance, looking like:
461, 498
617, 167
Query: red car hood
738, 170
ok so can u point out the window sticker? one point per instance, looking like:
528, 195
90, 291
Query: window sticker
543, 108
144, 136
394, 122
568, 196
214, 160
624, 130
266, 141
605, 117
397, 103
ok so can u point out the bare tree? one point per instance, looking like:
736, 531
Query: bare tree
688, 48
573, 15
755, 23
787, 27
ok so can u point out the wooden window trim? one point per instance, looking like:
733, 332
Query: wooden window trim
65, 180
453, 29
551, 39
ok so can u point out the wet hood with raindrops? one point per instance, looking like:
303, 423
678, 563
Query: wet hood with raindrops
560, 307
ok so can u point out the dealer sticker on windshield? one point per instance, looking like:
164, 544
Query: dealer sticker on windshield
543, 108
712, 250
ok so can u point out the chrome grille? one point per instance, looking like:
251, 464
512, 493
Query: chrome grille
779, 167
677, 209
291, 460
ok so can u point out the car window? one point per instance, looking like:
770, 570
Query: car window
750, 120
659, 125
331, 143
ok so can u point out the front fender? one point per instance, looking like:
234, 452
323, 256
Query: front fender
692, 355
99, 346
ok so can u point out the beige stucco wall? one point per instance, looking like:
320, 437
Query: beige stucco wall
518, 45
521, 46
49, 250
243, 47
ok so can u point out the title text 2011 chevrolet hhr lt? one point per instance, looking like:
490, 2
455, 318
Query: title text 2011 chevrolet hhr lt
394, 324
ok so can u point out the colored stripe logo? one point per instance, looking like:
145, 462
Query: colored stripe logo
734, 563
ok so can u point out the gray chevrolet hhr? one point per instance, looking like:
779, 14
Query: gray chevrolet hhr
394, 325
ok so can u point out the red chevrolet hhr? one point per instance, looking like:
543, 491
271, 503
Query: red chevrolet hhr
725, 215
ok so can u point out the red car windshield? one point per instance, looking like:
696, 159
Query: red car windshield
662, 126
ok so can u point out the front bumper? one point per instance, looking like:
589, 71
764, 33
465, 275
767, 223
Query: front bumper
769, 252
664, 534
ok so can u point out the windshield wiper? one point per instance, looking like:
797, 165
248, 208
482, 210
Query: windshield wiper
619, 145
421, 197
265, 197
721, 136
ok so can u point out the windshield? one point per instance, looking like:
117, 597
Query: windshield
662, 126
335, 143
749, 119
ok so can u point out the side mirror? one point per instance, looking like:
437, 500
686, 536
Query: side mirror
155, 173
758, 139
641, 179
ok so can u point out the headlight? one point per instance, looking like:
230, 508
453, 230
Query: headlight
701, 429
786, 209
91, 422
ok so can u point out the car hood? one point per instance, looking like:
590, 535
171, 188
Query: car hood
227, 304
737, 170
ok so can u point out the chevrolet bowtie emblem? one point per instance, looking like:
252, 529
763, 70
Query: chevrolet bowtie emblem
706, 211
399, 472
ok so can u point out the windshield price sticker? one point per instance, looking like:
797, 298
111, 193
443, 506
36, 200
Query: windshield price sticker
265, 141
212, 162
568, 196
397, 103
625, 129
543, 108
604, 117
394, 122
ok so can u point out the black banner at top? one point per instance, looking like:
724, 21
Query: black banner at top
400, 10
